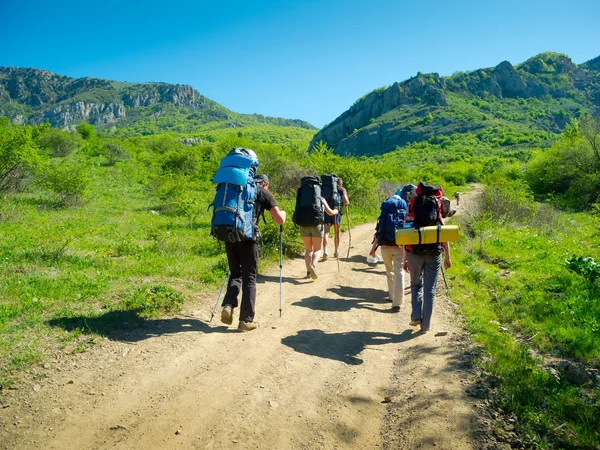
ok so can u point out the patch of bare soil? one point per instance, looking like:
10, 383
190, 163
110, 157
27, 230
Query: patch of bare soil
338, 370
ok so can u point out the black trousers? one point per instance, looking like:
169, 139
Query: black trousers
243, 264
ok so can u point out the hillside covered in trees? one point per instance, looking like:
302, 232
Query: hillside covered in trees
504, 105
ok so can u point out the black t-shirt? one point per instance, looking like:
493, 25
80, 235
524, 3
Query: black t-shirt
264, 200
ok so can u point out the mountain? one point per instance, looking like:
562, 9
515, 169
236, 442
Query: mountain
509, 105
33, 96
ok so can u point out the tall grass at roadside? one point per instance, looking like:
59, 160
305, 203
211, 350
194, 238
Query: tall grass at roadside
510, 273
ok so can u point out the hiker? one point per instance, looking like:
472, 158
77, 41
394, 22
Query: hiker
392, 217
457, 197
309, 216
238, 228
406, 193
424, 261
336, 220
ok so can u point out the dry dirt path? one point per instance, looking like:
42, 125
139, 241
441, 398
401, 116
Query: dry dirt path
338, 370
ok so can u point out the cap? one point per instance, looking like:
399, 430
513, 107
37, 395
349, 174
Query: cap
261, 178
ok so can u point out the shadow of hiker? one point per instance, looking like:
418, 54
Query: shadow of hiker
354, 258
370, 294
369, 269
341, 346
128, 326
339, 305
275, 279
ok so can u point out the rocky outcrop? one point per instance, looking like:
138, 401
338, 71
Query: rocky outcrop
74, 113
154, 93
64, 101
425, 89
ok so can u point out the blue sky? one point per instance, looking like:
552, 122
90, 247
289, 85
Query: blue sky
305, 59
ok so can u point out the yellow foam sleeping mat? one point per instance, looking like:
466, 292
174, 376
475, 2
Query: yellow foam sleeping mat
427, 235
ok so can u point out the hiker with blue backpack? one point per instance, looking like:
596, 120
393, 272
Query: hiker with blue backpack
309, 215
424, 261
392, 217
241, 197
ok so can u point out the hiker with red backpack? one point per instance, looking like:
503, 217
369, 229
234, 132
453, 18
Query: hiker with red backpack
309, 215
241, 198
424, 261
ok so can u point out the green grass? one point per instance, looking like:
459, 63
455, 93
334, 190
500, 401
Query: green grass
514, 275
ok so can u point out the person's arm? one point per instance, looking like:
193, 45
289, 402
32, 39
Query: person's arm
345, 200
328, 210
374, 247
405, 261
447, 261
278, 215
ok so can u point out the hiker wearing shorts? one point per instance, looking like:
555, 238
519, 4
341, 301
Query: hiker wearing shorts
336, 221
242, 258
312, 237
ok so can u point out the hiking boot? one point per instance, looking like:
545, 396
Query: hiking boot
227, 315
313, 272
395, 308
415, 323
336, 254
307, 276
424, 330
247, 326
325, 257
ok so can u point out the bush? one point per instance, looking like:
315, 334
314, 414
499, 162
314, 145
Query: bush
69, 180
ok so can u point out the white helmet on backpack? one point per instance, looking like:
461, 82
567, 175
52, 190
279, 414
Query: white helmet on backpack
246, 152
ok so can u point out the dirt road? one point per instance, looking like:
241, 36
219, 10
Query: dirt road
338, 370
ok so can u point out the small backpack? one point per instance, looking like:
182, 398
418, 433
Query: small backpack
392, 217
447, 210
329, 190
234, 217
426, 209
309, 207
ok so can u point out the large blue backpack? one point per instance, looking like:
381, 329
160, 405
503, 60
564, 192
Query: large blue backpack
234, 218
393, 214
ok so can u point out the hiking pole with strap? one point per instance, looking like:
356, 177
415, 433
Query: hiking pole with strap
280, 268
214, 311
349, 232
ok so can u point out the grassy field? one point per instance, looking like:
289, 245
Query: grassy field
529, 310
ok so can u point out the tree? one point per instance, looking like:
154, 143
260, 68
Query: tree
86, 131
19, 156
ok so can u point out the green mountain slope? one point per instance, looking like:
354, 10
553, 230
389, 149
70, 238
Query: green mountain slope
504, 105
33, 96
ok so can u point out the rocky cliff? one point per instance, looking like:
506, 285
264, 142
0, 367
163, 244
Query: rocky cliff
33, 96
426, 105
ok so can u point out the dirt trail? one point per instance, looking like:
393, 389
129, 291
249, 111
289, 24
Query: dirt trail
317, 378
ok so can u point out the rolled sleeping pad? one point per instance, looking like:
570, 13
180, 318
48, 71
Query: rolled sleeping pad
427, 235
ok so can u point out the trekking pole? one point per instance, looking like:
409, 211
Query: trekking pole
280, 268
214, 311
444, 276
349, 232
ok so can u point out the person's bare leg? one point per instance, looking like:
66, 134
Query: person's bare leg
326, 228
308, 255
316, 249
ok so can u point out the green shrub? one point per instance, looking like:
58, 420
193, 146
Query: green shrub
154, 300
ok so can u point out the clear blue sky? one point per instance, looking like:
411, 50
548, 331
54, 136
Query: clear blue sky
303, 59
